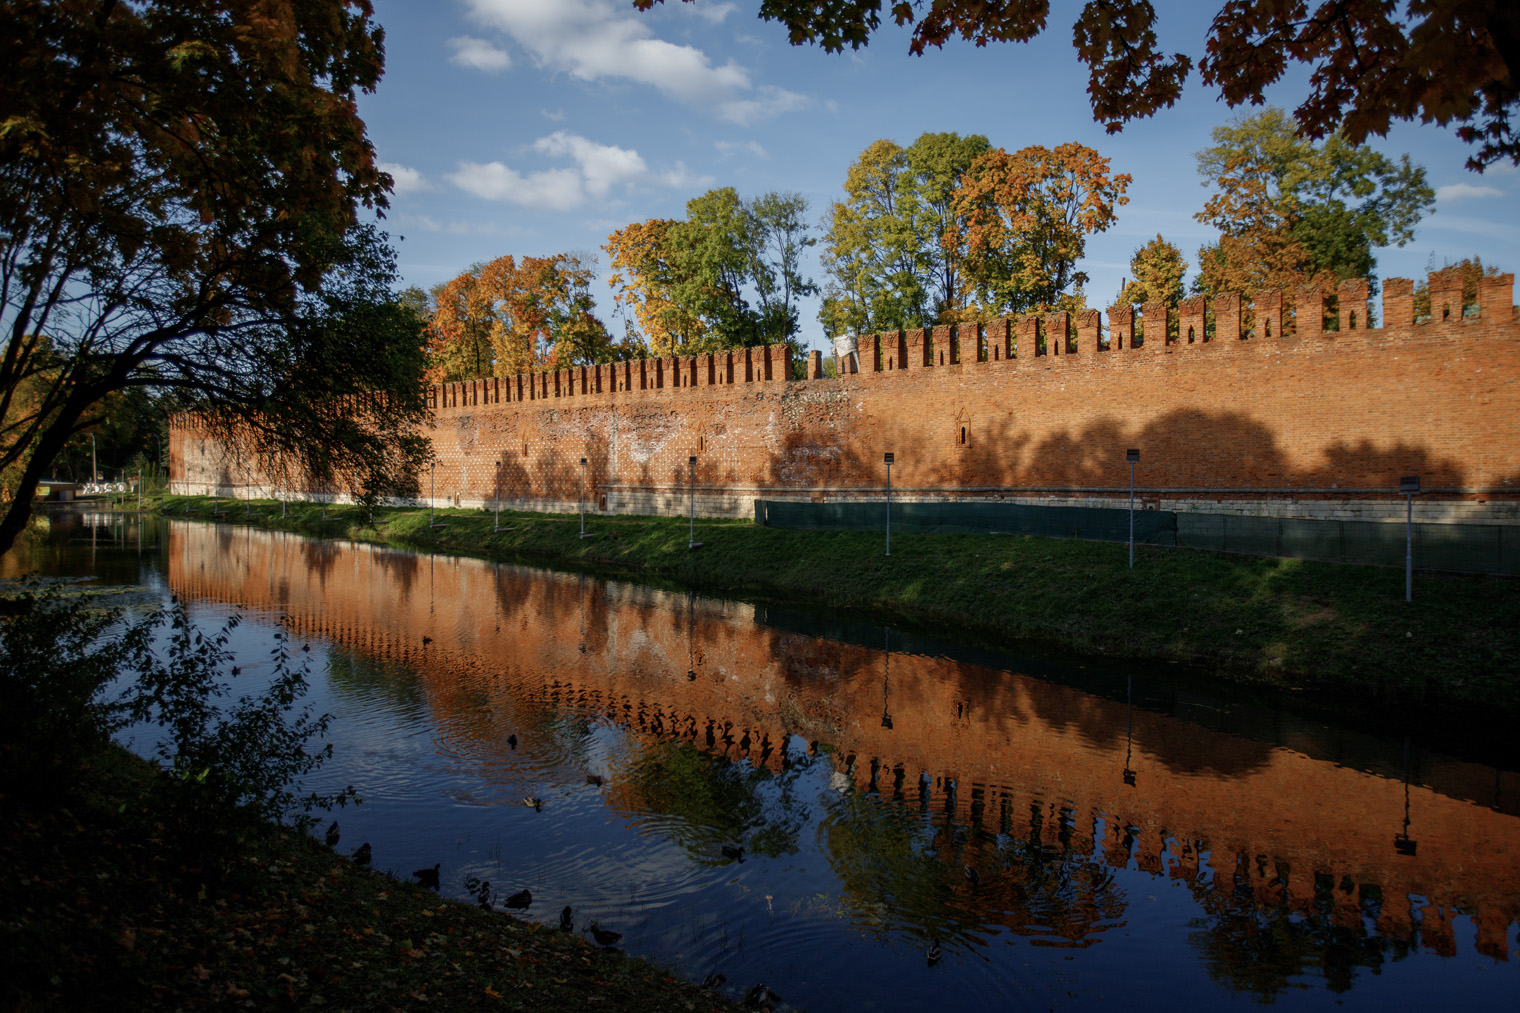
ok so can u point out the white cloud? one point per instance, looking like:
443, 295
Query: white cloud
1462, 191
1492, 228
479, 55
728, 149
591, 40
601, 165
552, 115
709, 12
553, 189
404, 179
598, 169
429, 224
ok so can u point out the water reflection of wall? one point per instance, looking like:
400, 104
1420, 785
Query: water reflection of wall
1279, 827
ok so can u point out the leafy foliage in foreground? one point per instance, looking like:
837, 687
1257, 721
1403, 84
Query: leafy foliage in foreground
1442, 61
103, 914
72, 674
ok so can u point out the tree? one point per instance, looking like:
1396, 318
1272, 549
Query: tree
780, 227
1370, 63
727, 276
1024, 219
713, 255
936, 163
643, 283
1470, 269
871, 252
1291, 211
886, 252
179, 187
459, 330
1158, 269
510, 316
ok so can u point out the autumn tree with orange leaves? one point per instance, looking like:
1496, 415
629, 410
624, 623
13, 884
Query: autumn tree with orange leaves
1024, 219
1295, 212
644, 286
511, 316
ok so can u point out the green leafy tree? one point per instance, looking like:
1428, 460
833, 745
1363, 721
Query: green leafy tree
715, 255
871, 253
727, 276
936, 163
179, 190
779, 223
889, 261
1293, 211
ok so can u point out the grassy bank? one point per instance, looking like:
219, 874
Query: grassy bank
1319, 630
110, 904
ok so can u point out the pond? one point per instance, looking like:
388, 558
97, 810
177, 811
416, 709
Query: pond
1065, 835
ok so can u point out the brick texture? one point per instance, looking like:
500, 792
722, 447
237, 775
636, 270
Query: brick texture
1028, 407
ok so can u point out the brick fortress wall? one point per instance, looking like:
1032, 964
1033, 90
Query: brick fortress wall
1231, 415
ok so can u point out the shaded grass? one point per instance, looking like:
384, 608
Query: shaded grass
109, 905
1328, 631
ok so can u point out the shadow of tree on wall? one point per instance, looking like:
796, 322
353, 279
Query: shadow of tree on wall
1197, 449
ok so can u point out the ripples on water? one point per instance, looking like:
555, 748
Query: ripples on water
1066, 847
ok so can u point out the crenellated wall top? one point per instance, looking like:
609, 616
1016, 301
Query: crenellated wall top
1306, 313
1309, 312
758, 365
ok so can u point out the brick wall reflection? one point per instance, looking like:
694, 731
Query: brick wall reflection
1230, 816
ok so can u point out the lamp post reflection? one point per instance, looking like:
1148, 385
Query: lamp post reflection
1129, 728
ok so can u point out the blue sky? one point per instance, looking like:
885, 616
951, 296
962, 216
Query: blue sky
534, 127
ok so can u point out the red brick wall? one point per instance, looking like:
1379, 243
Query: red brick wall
1032, 407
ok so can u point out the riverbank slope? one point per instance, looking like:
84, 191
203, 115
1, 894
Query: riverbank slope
1333, 634
114, 902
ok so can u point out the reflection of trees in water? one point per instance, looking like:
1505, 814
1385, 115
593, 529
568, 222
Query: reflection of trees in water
320, 558
1254, 940
358, 676
712, 800
905, 867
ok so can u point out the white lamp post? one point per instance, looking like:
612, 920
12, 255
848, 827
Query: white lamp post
1409, 485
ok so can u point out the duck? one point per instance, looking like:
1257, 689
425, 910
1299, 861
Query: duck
973, 877
362, 854
428, 877
936, 951
566, 920
761, 997
714, 981
520, 899
733, 851
533, 802
483, 894
603, 937
426, 640
596, 779
511, 741
332, 834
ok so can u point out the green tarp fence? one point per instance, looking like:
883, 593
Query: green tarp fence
1156, 527
1472, 548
